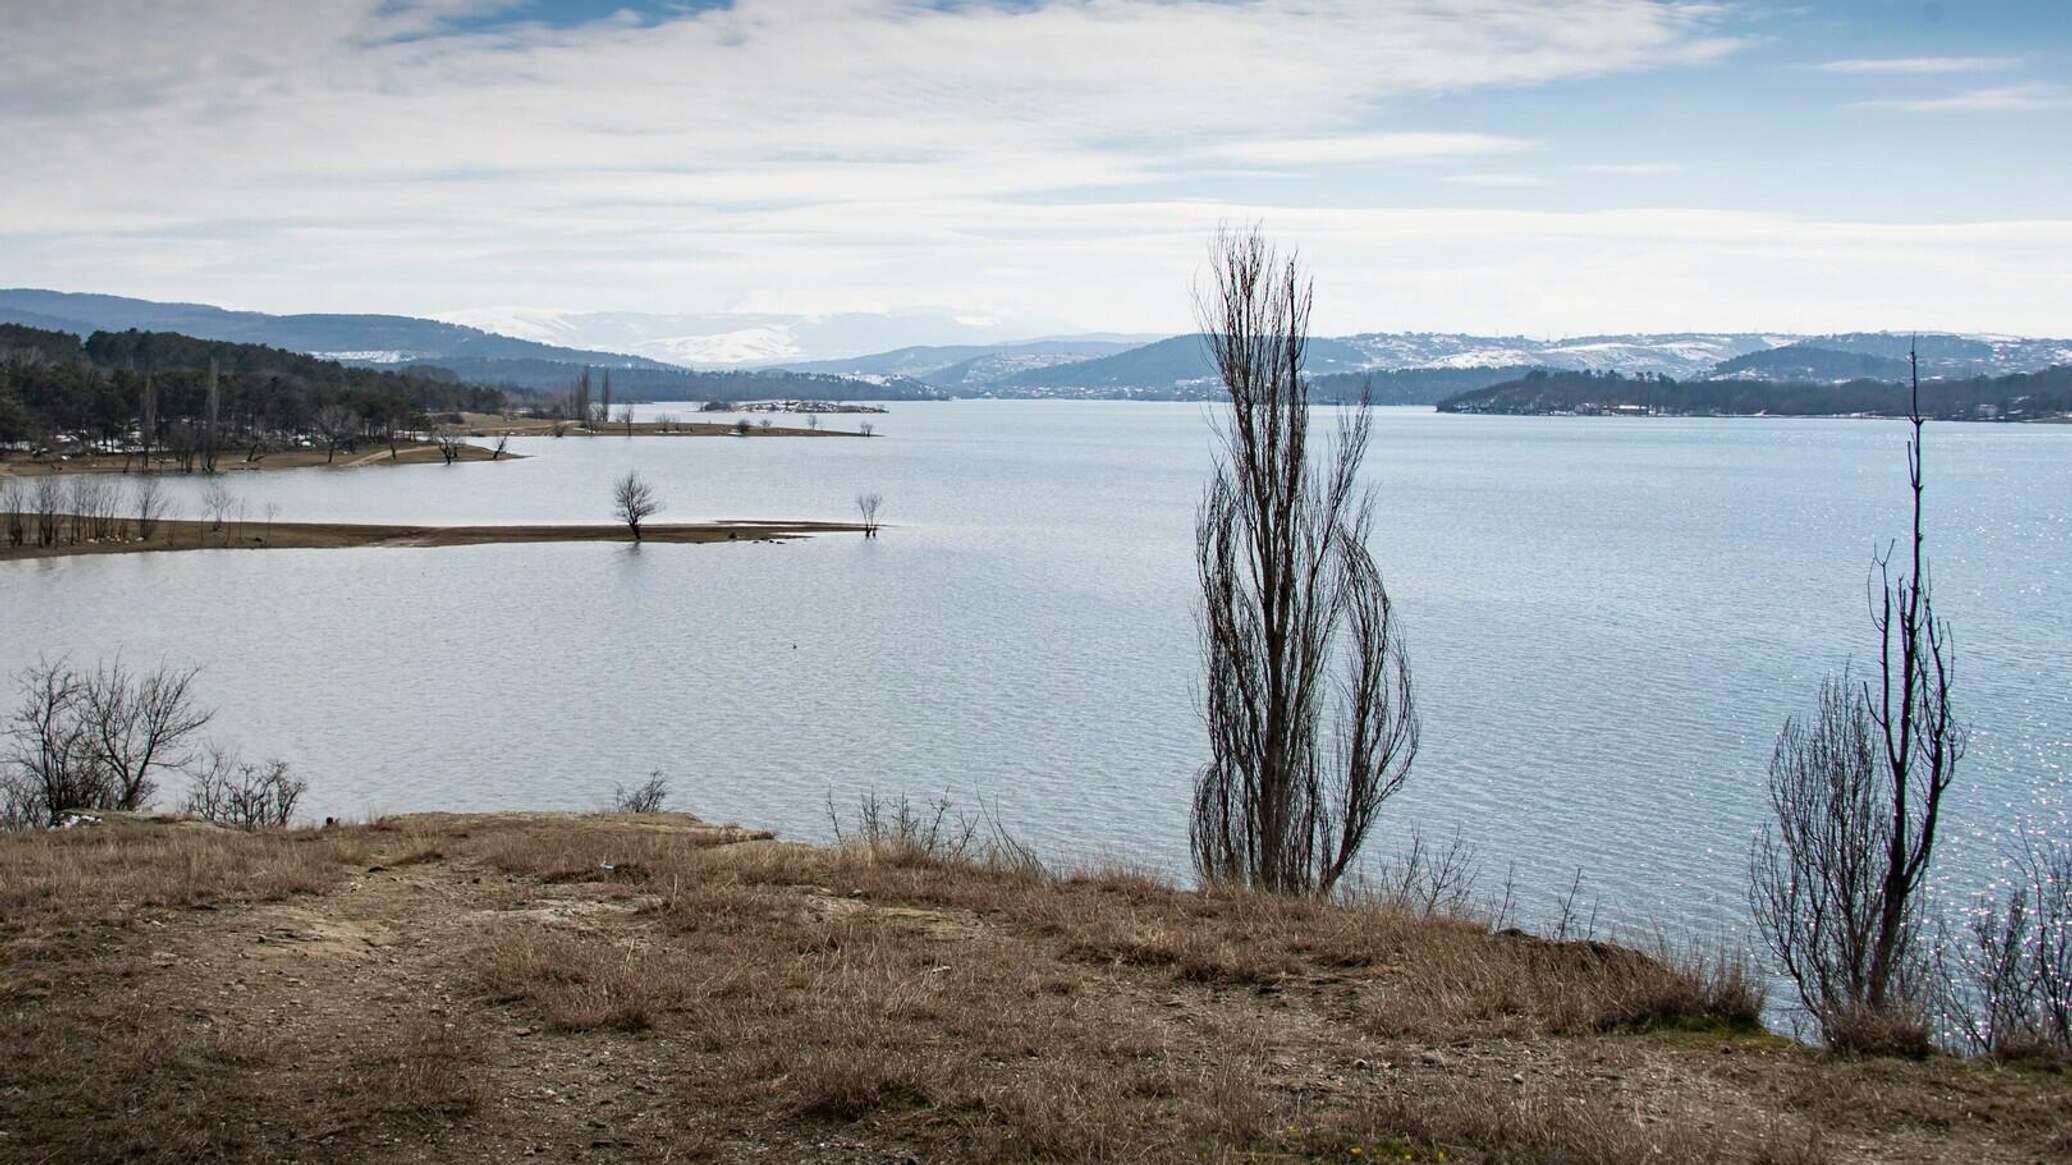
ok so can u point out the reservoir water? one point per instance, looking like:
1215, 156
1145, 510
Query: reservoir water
1609, 619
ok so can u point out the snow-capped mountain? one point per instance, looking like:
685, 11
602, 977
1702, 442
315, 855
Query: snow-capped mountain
1678, 354
748, 339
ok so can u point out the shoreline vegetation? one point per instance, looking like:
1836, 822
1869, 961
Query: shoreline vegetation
258, 534
404, 453
491, 986
2038, 397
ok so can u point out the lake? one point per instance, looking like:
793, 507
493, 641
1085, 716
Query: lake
1608, 621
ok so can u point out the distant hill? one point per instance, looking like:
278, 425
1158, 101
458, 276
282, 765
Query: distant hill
1407, 386
2017, 396
663, 383
1177, 368
361, 339
966, 366
1811, 363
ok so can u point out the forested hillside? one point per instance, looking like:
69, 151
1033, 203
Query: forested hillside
177, 393
2017, 397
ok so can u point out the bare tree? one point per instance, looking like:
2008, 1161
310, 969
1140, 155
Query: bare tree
451, 446
1298, 632
147, 506
212, 409
634, 501
216, 502
503, 443
140, 724
626, 418
742, 428
14, 502
866, 429
49, 500
813, 421
99, 741
147, 417
1856, 797
605, 391
335, 425
868, 505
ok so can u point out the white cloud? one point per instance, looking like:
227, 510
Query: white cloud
1500, 180
2024, 98
1029, 160
1918, 66
1630, 169
1377, 147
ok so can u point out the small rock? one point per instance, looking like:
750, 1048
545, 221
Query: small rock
1517, 1077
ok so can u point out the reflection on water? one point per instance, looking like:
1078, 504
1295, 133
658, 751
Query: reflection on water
1608, 619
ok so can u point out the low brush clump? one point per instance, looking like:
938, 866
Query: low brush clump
648, 987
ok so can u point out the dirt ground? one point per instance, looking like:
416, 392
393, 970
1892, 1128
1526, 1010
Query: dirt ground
611, 987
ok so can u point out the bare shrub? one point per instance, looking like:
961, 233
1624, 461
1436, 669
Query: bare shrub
936, 832
867, 506
2007, 975
237, 793
1430, 880
646, 797
1298, 632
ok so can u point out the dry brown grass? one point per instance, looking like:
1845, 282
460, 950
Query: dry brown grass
485, 987
130, 862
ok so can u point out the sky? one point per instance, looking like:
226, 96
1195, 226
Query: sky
1535, 167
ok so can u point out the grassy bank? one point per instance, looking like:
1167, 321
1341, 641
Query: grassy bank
248, 534
650, 988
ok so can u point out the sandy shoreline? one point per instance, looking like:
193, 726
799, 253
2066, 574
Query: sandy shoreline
262, 535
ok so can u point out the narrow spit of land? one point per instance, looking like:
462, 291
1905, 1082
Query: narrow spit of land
262, 535
490, 425
651, 988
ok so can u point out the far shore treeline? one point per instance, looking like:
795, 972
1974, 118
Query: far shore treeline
2022, 396
54, 384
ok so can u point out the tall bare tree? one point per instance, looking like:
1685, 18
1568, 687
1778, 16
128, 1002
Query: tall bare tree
1307, 694
147, 416
1856, 799
634, 501
605, 392
212, 411
867, 506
